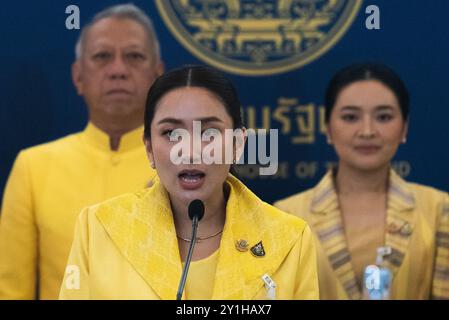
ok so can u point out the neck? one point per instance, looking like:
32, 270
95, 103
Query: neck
213, 220
350, 180
115, 130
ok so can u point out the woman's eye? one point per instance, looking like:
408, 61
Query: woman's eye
168, 133
384, 117
210, 133
349, 117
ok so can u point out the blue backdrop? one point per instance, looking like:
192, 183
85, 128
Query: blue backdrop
38, 102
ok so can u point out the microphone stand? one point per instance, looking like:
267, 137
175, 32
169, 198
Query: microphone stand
189, 258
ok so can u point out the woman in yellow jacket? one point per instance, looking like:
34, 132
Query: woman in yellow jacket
364, 205
134, 246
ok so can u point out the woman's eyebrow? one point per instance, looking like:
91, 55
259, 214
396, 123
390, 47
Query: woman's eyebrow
170, 120
179, 121
350, 108
209, 119
384, 107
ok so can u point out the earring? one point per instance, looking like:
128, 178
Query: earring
152, 165
329, 141
404, 140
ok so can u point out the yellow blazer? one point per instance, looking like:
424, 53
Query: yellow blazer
414, 215
126, 248
46, 190
440, 285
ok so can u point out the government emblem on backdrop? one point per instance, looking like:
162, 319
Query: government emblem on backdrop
258, 37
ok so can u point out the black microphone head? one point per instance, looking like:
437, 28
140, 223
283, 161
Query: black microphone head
196, 208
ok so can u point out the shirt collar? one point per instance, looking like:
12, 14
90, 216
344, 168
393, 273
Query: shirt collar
97, 138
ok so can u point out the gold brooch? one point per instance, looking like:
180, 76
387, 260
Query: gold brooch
241, 245
393, 228
406, 230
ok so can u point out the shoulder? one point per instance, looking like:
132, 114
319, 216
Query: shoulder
261, 218
427, 194
119, 211
260, 212
122, 204
51, 149
40, 158
297, 203
283, 218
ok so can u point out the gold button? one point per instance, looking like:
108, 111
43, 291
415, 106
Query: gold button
115, 159
406, 230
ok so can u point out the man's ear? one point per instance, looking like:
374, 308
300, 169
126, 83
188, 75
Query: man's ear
76, 77
160, 68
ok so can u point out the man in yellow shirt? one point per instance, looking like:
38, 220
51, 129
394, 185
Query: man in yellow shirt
117, 60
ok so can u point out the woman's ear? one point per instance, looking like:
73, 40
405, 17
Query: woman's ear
328, 136
149, 150
405, 132
239, 144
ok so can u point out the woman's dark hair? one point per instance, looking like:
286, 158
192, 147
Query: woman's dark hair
194, 76
366, 71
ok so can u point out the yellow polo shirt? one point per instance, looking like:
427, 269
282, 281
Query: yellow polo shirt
46, 190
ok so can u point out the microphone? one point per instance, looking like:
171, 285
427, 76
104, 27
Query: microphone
196, 213
196, 209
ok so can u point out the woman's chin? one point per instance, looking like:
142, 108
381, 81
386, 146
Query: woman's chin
189, 195
370, 166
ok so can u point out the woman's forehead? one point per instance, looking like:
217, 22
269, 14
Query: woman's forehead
190, 103
366, 94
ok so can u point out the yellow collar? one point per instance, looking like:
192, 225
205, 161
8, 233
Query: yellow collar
400, 196
100, 140
143, 230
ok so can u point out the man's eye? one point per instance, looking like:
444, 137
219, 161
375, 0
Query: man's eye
135, 56
349, 117
102, 56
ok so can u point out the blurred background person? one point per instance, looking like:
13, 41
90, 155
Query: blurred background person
117, 60
363, 205
134, 246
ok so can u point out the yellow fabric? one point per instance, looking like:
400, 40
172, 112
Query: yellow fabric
440, 286
47, 188
200, 280
126, 248
410, 206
